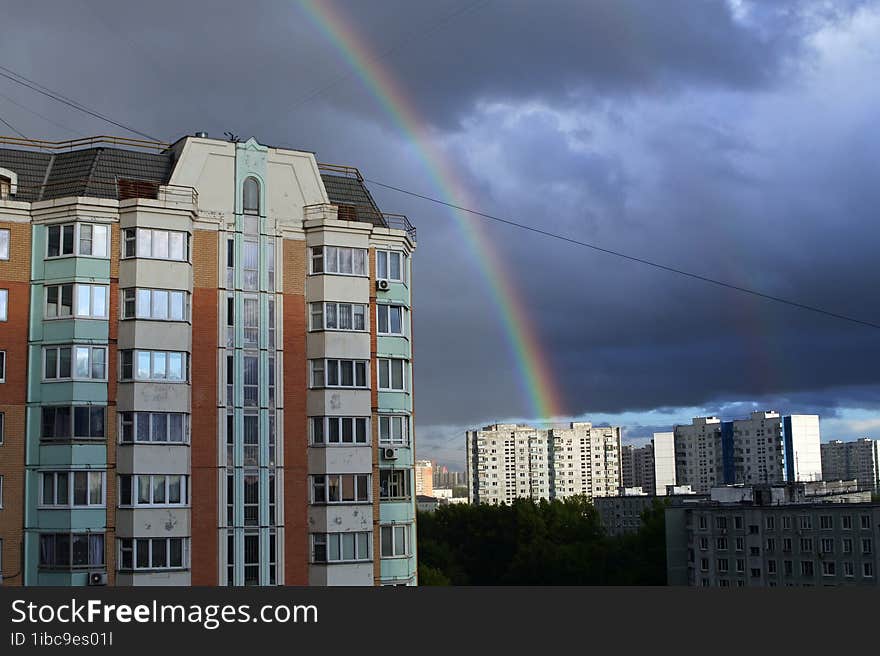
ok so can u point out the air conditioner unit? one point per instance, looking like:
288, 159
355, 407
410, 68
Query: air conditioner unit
382, 285
97, 578
389, 454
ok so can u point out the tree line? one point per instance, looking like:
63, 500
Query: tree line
560, 542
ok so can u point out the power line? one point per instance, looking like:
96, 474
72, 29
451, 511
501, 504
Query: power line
11, 127
35, 113
54, 95
632, 258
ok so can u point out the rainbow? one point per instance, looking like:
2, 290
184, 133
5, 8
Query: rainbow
536, 380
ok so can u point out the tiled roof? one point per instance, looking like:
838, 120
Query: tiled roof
348, 191
88, 172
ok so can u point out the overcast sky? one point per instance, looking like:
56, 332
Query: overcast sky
737, 140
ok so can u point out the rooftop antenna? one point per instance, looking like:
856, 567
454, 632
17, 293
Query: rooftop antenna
234, 138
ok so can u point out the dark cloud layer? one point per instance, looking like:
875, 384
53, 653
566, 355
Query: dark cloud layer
736, 140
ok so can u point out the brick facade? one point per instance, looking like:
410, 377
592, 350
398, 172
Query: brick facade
204, 550
296, 499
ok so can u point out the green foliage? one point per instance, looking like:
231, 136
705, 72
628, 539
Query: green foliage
544, 543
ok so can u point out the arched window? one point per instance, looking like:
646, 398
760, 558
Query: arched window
251, 196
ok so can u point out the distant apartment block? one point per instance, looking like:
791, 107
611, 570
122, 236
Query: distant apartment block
424, 477
510, 461
205, 368
766, 448
650, 467
774, 537
623, 514
858, 459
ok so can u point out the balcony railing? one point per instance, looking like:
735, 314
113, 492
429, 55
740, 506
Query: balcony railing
400, 222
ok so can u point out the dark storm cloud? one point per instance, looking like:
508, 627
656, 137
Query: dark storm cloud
735, 140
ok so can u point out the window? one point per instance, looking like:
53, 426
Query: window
75, 299
80, 422
341, 488
4, 304
721, 544
72, 489
390, 319
161, 304
806, 545
2, 423
339, 373
154, 365
827, 545
704, 564
771, 567
865, 522
848, 569
251, 265
807, 567
75, 362
806, 522
390, 265
341, 547
152, 490
847, 545
770, 522
59, 240
828, 568
340, 430
251, 384
156, 244
152, 553
392, 374
154, 427
722, 565
4, 244
740, 544
251, 322
2, 366
867, 569
846, 522
72, 550
867, 546
341, 260
338, 316
251, 196
721, 523
394, 484
826, 522
393, 429
395, 540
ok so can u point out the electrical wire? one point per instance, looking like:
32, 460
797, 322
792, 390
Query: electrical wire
631, 258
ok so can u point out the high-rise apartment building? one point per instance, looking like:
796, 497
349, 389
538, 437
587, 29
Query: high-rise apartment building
858, 459
205, 368
766, 448
510, 461
424, 472
650, 467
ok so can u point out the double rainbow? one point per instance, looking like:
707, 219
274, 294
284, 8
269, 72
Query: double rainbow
535, 377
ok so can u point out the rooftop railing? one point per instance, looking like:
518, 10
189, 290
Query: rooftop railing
84, 142
119, 189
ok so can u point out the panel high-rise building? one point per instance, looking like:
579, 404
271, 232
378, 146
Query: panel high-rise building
510, 461
766, 448
858, 459
205, 368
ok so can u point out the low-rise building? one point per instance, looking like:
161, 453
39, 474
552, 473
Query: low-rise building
769, 536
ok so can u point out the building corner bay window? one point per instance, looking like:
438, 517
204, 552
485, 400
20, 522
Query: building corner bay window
340, 488
160, 304
338, 316
341, 547
392, 374
72, 550
339, 373
159, 366
82, 239
152, 553
339, 260
391, 266
156, 244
